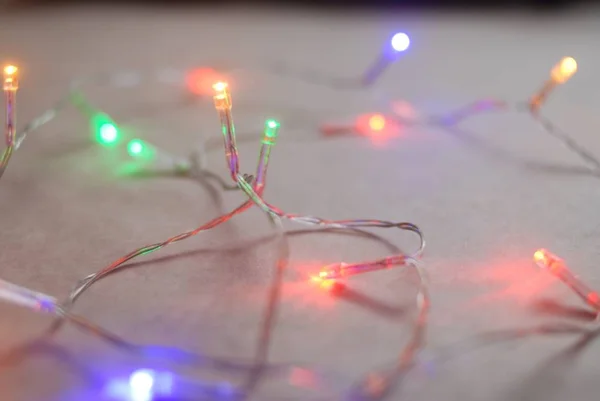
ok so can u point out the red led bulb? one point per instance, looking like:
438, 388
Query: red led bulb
555, 265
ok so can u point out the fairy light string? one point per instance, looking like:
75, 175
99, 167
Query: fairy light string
10, 87
253, 191
107, 133
558, 268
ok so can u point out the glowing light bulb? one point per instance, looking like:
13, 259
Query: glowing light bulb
558, 268
11, 81
222, 102
268, 140
135, 147
400, 42
325, 274
220, 86
141, 150
200, 80
108, 133
141, 384
271, 132
105, 129
564, 70
540, 256
222, 98
10, 70
377, 122
545, 259
559, 74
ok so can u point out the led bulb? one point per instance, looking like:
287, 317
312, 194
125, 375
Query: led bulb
108, 133
140, 149
11, 79
558, 268
10, 70
105, 129
400, 42
544, 259
377, 122
271, 132
142, 380
135, 147
220, 86
222, 98
564, 70
141, 385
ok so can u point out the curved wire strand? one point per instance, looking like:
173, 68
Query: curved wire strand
417, 338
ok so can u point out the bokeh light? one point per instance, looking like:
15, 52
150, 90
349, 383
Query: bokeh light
108, 133
564, 70
105, 130
377, 122
141, 383
135, 147
377, 126
400, 42
199, 81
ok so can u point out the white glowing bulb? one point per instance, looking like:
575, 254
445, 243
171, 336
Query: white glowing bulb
400, 42
141, 383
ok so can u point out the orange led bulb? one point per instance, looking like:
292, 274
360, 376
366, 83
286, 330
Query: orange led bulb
11, 80
564, 70
222, 98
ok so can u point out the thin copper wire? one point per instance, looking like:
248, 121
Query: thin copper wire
416, 342
274, 213
244, 181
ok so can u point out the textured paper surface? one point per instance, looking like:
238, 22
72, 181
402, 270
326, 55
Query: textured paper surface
486, 196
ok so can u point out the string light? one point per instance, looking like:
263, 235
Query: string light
400, 42
377, 122
268, 140
564, 70
27, 298
105, 129
10, 86
555, 265
136, 148
559, 74
222, 101
200, 80
11, 79
143, 383
397, 45
340, 270
150, 159
140, 149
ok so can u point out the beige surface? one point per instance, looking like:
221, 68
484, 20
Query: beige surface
484, 204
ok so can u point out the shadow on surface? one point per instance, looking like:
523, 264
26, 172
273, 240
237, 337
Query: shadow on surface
547, 381
43, 344
392, 374
502, 155
550, 307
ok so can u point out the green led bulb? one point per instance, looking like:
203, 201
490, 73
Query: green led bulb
139, 149
105, 130
135, 147
272, 124
108, 133
271, 131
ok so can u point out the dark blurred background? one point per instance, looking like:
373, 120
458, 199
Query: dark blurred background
549, 5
